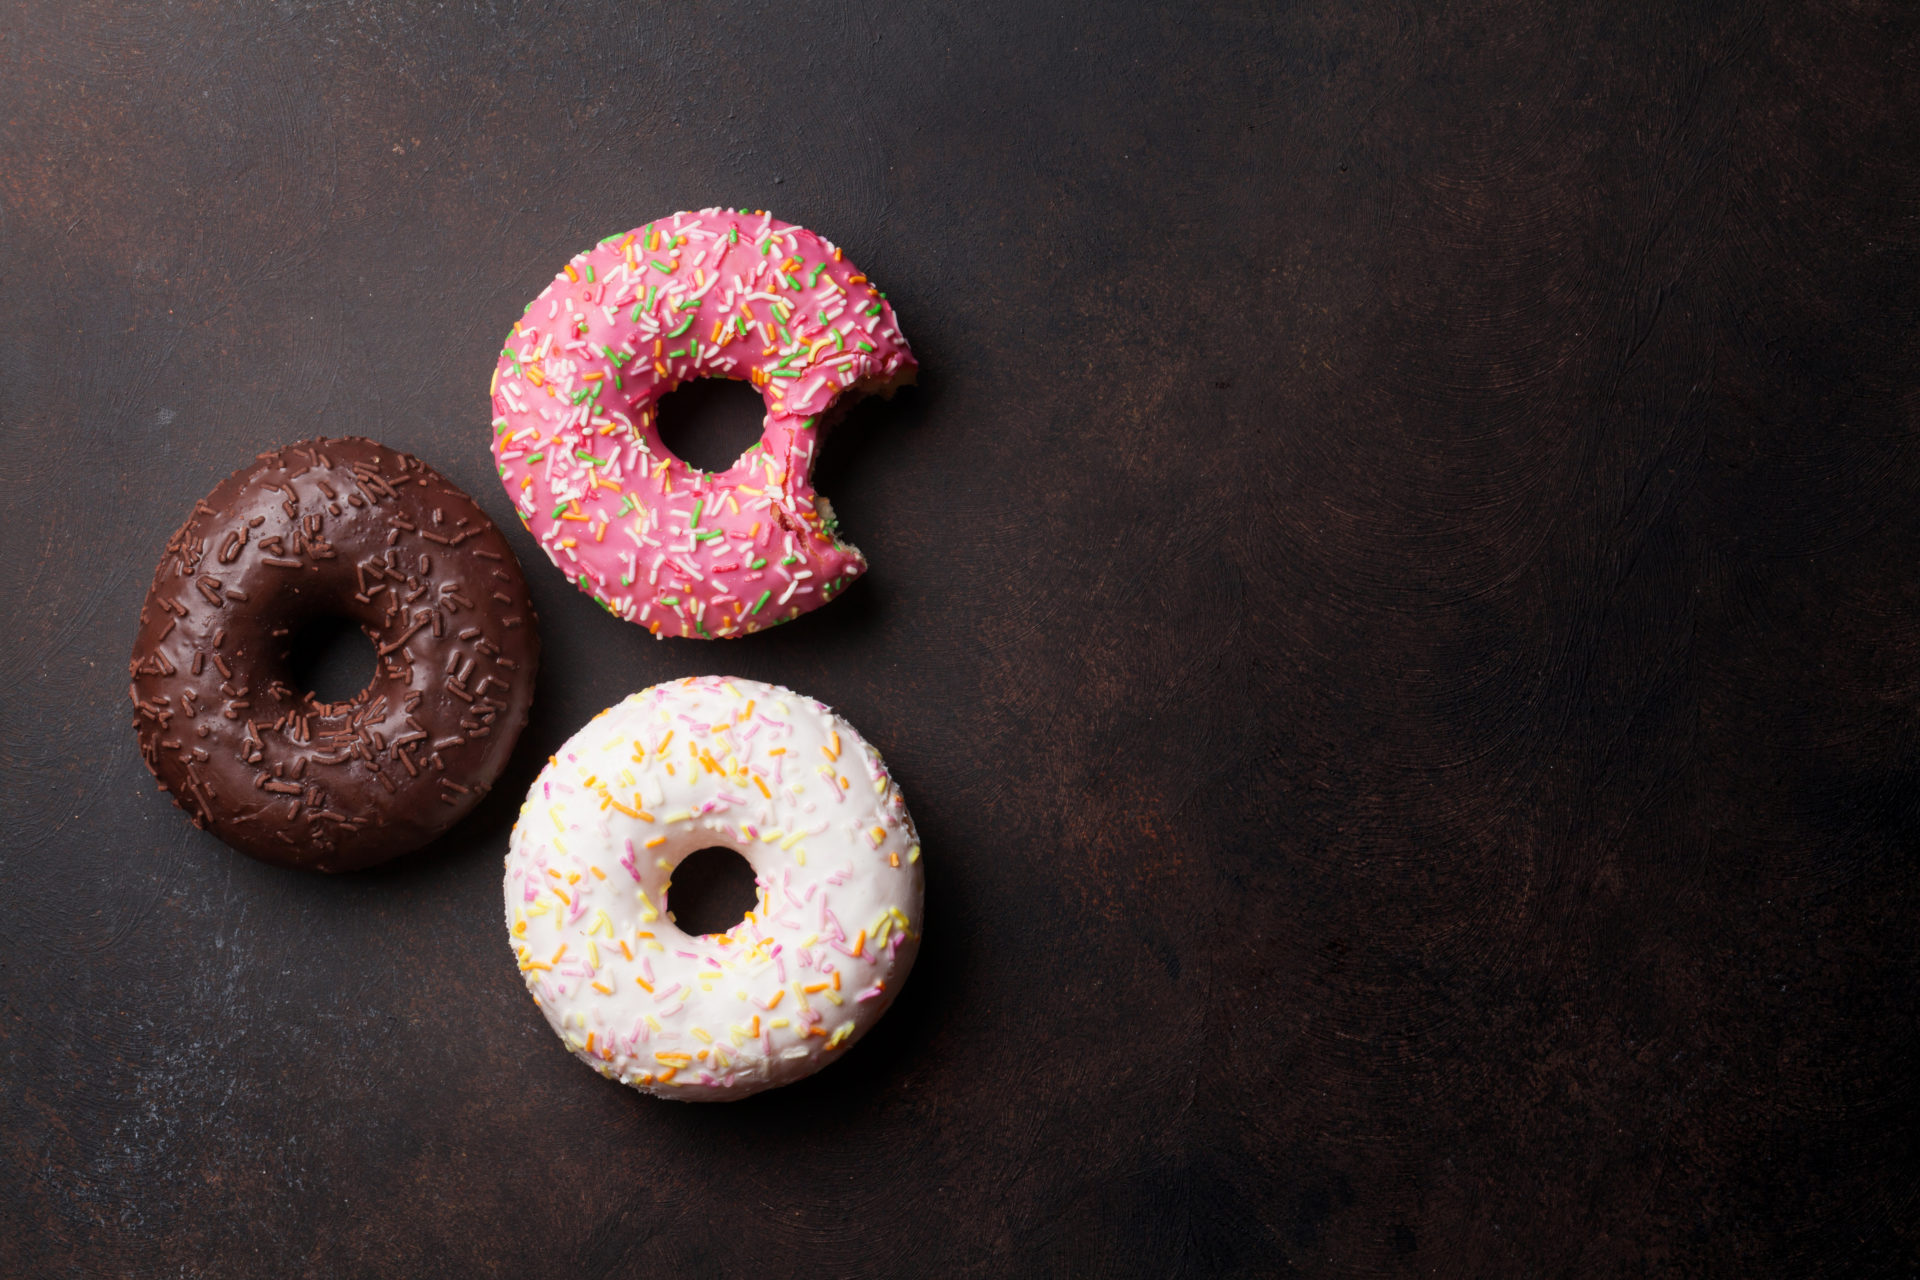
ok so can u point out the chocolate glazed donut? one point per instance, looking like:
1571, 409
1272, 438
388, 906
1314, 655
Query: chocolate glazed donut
333, 528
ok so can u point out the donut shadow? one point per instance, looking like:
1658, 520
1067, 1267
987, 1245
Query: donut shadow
892, 1058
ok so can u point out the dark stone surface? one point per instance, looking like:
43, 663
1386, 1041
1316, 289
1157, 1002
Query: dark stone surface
1393, 606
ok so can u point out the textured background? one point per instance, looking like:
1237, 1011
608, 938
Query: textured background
1394, 606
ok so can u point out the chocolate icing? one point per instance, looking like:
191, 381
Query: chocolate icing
352, 529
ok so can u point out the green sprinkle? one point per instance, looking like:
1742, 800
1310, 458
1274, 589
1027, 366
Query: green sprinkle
791, 560
785, 373
624, 507
759, 562
701, 627
535, 457
764, 597
809, 422
814, 279
699, 505
684, 326
675, 355
590, 272
635, 317
669, 599
706, 534
557, 510
733, 236
626, 579
584, 456
866, 346
661, 267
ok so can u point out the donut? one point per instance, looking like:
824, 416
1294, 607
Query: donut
714, 294
342, 528
685, 766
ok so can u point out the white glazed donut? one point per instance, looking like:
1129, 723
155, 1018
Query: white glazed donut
681, 767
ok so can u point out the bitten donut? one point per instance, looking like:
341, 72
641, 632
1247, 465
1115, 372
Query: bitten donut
680, 551
682, 767
343, 528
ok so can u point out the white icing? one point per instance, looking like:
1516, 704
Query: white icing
689, 765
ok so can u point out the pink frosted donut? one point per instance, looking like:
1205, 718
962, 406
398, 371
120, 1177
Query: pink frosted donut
714, 294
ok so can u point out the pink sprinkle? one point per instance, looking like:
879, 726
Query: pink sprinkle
688, 954
664, 994
871, 993
629, 862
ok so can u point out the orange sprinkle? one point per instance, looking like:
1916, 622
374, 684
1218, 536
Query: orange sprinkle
556, 955
623, 949
656, 842
644, 984
776, 999
836, 979
589, 1034
603, 988
598, 874
667, 1075
763, 787
860, 942
575, 277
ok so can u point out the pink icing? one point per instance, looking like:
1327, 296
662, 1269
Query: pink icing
711, 294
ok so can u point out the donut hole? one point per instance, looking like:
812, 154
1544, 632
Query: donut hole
709, 422
711, 891
331, 659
